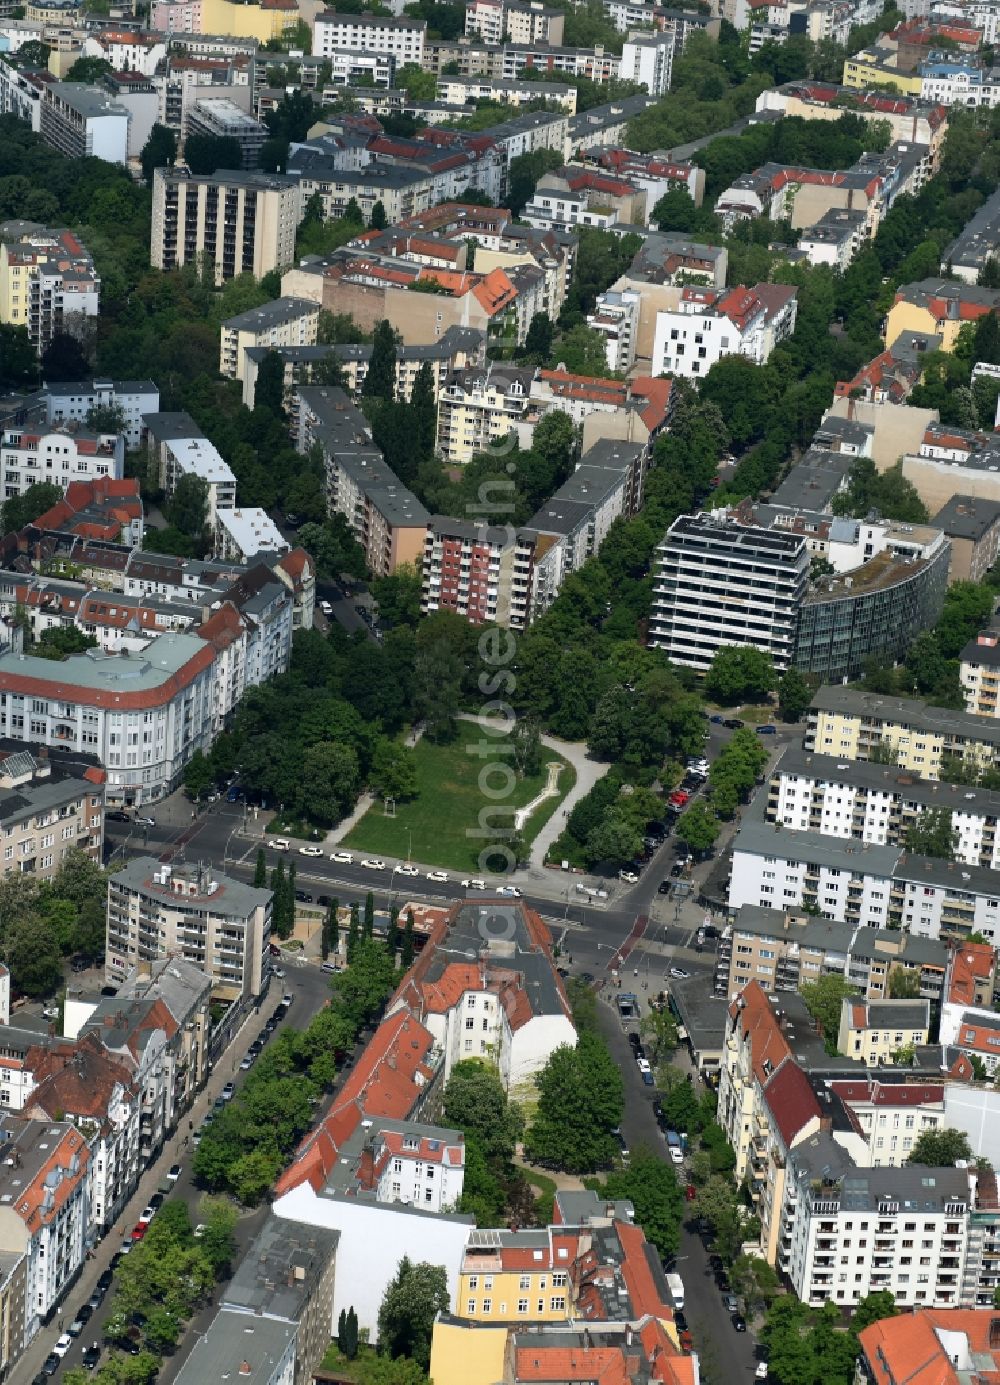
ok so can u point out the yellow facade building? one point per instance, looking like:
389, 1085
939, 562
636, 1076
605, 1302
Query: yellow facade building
466, 1353
873, 1031
876, 68
263, 20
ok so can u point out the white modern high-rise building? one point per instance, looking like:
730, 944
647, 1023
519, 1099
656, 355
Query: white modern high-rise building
719, 582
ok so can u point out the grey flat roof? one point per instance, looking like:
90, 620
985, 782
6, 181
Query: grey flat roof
232, 899
234, 1340
825, 935
123, 672
814, 481
271, 314
976, 653
888, 1014
915, 1187
931, 793
281, 1269
967, 517
19, 804
762, 838
170, 427
907, 711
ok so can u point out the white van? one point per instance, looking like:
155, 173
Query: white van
676, 1286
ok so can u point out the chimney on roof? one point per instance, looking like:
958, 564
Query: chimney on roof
366, 1168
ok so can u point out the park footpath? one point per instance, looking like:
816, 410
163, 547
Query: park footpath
176, 1149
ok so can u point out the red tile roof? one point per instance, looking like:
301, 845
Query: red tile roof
908, 1348
758, 1026
791, 1101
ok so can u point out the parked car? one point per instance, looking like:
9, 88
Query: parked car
629, 876
228, 1091
739, 1322
679, 974
91, 1356
310, 851
280, 844
408, 870
761, 1372
730, 1303
174, 1172
474, 884
438, 876
768, 729
373, 863
342, 858
663, 887
116, 815
733, 723
717, 719
634, 1040
508, 892
51, 1364
303, 896
679, 798
144, 821
146, 1215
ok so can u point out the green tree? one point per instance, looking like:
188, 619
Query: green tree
698, 827
378, 220
24, 509
260, 871
188, 507
582, 350
198, 776
209, 153
538, 342
408, 947
904, 983
940, 1148
475, 1102
88, 70
368, 922
423, 413
580, 1102
932, 834
739, 673
380, 379
347, 1332
823, 999
411, 1302
651, 1185
393, 772
18, 360
794, 695
159, 151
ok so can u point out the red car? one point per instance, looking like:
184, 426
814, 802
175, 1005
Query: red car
686, 1340
678, 798
139, 1230
691, 1192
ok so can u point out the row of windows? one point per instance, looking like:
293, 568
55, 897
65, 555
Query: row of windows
556, 1305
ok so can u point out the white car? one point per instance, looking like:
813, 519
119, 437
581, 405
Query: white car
343, 858
679, 974
407, 870
280, 844
629, 876
643, 1065
146, 1215
63, 1345
441, 876
508, 892
310, 851
51, 1012
372, 863
326, 608
199, 1231
761, 1372
474, 885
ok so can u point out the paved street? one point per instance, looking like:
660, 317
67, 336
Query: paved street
726, 1356
310, 989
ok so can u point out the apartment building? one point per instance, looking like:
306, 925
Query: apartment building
178, 447
81, 121
51, 803
208, 919
855, 725
287, 1275
68, 454
47, 280
980, 674
605, 126
708, 324
21, 93
463, 91
648, 60
84, 1084
576, 196
908, 118
967, 254
886, 1116
480, 407
71, 401
402, 37
950, 460
241, 534
127, 50
513, 21
944, 1341
718, 583
480, 572
860, 883
44, 1211
385, 517
220, 118
142, 716
939, 306
780, 949
847, 1232
873, 1031
284, 322
235, 222
972, 527
878, 803
597, 64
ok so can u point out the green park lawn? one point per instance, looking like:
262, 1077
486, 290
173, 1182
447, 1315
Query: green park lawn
432, 827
